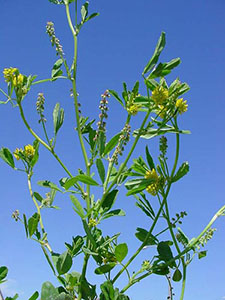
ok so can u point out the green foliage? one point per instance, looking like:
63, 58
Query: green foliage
158, 110
3, 273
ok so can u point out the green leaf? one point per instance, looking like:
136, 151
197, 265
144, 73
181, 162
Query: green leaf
182, 171
136, 190
79, 208
34, 296
151, 84
164, 69
109, 200
64, 263
101, 169
36, 154
177, 276
56, 1
48, 291
12, 298
113, 213
56, 68
6, 155
141, 234
33, 224
161, 269
49, 184
58, 117
152, 132
84, 10
3, 273
25, 224
165, 252
92, 16
149, 159
37, 196
111, 144
202, 254
64, 296
159, 47
116, 96
105, 268
121, 251
181, 237
82, 177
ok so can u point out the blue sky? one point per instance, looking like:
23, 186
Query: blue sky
114, 48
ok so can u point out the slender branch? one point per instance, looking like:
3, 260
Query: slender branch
48, 79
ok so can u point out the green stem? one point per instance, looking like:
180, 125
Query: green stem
84, 269
35, 203
45, 131
76, 103
48, 79
29, 128
183, 282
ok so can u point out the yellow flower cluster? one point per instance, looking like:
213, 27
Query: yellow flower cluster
28, 152
133, 109
13, 75
153, 187
181, 105
159, 95
92, 222
16, 153
9, 73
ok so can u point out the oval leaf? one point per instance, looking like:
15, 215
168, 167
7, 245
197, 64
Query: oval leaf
177, 276
64, 263
104, 269
121, 251
48, 291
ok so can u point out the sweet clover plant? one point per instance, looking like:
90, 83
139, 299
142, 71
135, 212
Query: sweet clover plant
110, 166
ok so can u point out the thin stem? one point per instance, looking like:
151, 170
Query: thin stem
35, 203
183, 282
45, 131
29, 128
84, 269
76, 103
48, 79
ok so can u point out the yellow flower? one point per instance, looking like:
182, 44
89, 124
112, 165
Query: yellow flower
153, 187
9, 73
92, 222
18, 80
29, 151
181, 105
16, 152
151, 175
159, 95
133, 109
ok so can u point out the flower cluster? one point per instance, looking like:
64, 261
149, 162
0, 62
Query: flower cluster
103, 115
133, 109
181, 105
92, 222
154, 186
40, 106
54, 40
166, 103
160, 95
17, 80
123, 140
27, 153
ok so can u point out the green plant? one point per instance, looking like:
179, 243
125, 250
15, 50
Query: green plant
144, 179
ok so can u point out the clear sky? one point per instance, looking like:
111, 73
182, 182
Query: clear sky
114, 48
